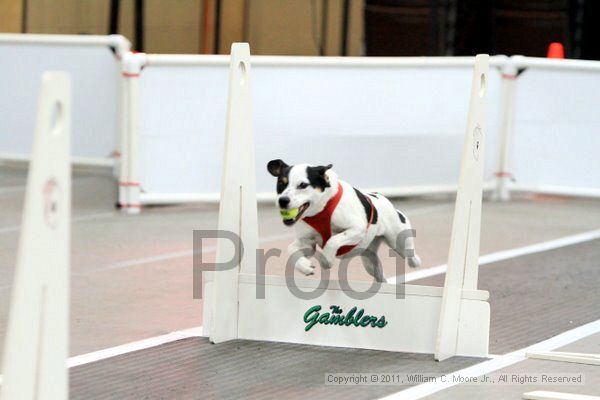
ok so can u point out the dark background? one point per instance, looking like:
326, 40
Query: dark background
467, 27
322, 27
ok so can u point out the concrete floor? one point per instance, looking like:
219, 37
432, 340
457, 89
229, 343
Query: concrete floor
243, 369
132, 275
530, 367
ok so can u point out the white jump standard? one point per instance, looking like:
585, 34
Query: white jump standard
456, 317
37, 338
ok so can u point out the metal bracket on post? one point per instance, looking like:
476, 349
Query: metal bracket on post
464, 244
37, 337
238, 209
129, 180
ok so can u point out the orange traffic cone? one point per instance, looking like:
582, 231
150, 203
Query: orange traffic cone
556, 50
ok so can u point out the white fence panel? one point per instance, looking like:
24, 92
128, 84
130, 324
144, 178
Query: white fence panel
393, 124
557, 127
95, 72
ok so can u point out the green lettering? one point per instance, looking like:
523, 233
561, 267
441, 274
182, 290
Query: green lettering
382, 322
335, 309
336, 317
311, 317
366, 320
349, 320
324, 319
358, 317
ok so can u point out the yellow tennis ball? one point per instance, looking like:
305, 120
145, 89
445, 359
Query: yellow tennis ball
289, 214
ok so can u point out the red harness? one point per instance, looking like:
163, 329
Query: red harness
321, 222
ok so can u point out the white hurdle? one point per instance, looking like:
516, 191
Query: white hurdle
232, 309
36, 347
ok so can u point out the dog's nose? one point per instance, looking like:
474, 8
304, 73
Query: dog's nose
284, 201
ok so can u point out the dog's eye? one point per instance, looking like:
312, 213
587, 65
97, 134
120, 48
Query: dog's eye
303, 185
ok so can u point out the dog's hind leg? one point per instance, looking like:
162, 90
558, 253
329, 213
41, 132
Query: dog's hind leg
371, 261
402, 241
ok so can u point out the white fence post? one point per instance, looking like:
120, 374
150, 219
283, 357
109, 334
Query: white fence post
464, 244
129, 180
37, 337
507, 114
121, 47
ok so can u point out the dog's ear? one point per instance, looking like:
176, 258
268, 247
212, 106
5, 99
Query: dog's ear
321, 169
276, 166
317, 176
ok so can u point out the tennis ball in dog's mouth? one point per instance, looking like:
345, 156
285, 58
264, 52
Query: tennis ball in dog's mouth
289, 214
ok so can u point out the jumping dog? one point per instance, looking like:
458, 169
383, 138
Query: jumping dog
330, 213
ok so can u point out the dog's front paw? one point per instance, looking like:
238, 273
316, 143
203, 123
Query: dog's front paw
305, 266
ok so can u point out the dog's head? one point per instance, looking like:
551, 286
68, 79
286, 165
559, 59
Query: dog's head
298, 188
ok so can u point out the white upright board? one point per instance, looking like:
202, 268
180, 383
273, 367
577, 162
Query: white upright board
238, 196
466, 226
36, 347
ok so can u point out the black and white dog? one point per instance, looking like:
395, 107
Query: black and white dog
338, 218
